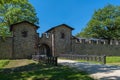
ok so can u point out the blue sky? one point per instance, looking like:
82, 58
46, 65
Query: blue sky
75, 13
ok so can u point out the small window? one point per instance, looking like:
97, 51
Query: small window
24, 34
62, 35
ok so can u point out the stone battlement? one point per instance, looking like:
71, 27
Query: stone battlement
57, 40
96, 41
46, 35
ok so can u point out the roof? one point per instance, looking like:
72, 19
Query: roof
60, 26
11, 26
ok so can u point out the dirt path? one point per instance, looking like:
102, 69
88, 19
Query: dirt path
97, 71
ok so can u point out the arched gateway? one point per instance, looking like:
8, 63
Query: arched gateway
44, 49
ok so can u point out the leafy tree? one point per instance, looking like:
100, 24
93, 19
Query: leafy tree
105, 24
14, 11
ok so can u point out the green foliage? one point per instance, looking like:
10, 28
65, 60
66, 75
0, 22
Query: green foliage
105, 24
14, 11
35, 71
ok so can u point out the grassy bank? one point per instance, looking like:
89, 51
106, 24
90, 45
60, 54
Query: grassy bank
36, 71
114, 60
3, 63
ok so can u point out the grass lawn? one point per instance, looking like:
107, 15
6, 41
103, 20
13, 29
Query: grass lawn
3, 63
113, 60
30, 70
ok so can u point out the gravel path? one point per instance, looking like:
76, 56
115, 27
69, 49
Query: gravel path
97, 71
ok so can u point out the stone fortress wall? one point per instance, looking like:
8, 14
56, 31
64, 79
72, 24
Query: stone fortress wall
45, 41
55, 41
81, 46
6, 48
22, 44
96, 47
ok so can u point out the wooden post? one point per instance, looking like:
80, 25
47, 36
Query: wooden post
56, 61
104, 59
53, 46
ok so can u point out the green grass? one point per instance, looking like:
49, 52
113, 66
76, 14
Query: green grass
3, 63
18, 63
36, 71
114, 60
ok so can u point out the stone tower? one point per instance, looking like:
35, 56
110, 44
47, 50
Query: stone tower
62, 38
24, 39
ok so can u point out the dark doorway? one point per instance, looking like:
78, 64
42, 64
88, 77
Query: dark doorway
44, 49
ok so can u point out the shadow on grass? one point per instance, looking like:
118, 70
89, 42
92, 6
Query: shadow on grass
36, 71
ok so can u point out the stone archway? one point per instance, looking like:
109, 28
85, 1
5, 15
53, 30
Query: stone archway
44, 49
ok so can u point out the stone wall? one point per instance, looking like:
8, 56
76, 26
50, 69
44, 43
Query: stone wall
62, 45
6, 48
96, 48
52, 42
46, 39
24, 46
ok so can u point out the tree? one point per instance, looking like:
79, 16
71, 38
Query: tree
105, 24
14, 11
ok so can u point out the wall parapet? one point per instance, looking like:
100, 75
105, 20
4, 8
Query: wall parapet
96, 41
46, 35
